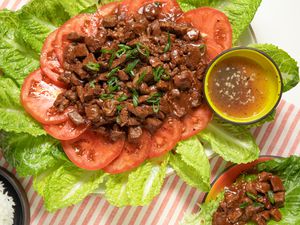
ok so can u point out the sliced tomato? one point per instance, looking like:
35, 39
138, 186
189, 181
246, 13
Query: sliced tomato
82, 24
196, 121
170, 8
65, 131
92, 151
214, 25
50, 65
109, 8
38, 96
133, 155
166, 137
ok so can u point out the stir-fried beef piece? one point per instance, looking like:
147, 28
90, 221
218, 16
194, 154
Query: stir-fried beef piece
132, 73
257, 201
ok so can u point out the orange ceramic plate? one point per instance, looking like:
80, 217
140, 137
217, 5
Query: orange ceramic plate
230, 175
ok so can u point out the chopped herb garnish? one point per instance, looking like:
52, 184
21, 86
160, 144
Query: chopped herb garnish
271, 197
132, 54
257, 204
106, 96
111, 59
92, 66
135, 97
130, 67
165, 76
141, 78
92, 84
168, 45
112, 72
106, 51
122, 98
244, 205
155, 101
122, 50
143, 50
113, 84
157, 73
250, 195
202, 48
119, 108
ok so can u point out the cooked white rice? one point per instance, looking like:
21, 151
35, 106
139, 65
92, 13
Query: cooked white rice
6, 207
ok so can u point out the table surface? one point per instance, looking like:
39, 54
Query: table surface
275, 22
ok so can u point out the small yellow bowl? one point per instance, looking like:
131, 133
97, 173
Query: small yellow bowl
243, 85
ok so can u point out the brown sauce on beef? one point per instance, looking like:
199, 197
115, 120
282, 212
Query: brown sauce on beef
133, 74
257, 201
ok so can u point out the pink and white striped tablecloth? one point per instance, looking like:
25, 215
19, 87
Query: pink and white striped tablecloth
281, 137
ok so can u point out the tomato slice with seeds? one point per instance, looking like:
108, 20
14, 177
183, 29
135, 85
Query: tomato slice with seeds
166, 137
65, 131
215, 27
38, 96
133, 155
50, 65
196, 121
92, 151
169, 8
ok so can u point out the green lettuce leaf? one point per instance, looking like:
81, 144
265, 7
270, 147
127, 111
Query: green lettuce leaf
39, 18
191, 164
233, 142
286, 64
67, 185
239, 12
138, 187
17, 59
204, 216
13, 116
29, 155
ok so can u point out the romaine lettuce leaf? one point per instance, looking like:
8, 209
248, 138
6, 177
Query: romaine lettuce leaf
17, 59
204, 216
191, 163
13, 116
68, 185
286, 64
30, 155
233, 142
138, 187
239, 12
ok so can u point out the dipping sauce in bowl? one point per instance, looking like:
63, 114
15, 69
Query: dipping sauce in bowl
243, 85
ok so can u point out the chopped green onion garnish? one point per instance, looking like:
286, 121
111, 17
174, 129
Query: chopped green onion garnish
202, 48
122, 98
271, 197
244, 205
135, 97
111, 59
106, 96
131, 54
130, 67
123, 49
119, 108
92, 66
112, 72
257, 204
155, 101
113, 84
141, 78
106, 51
168, 45
143, 50
166, 76
157, 73
250, 195
92, 84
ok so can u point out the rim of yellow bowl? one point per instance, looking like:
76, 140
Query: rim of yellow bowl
267, 57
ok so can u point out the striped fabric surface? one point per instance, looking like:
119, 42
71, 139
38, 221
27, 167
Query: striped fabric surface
281, 137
